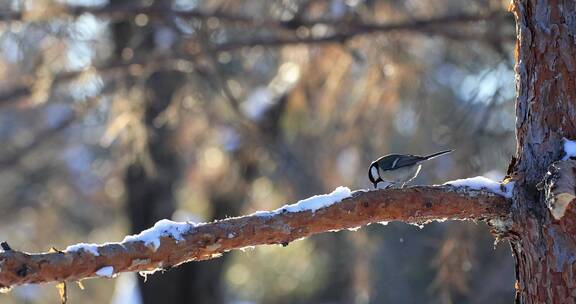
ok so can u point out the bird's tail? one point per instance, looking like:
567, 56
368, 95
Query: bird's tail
437, 154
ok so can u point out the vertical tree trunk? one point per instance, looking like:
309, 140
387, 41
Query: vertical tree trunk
149, 192
544, 248
150, 195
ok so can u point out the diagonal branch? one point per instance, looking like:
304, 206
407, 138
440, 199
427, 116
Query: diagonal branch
176, 243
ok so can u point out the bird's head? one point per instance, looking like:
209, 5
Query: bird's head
374, 175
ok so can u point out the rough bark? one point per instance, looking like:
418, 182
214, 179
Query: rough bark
206, 241
544, 248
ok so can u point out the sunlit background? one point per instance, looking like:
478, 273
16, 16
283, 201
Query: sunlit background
116, 114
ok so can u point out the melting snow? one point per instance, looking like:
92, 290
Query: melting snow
89, 248
162, 228
483, 183
312, 203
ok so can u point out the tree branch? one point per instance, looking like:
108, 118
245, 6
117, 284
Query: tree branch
205, 241
123, 11
119, 68
349, 30
344, 30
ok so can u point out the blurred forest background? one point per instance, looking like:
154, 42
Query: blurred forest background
115, 114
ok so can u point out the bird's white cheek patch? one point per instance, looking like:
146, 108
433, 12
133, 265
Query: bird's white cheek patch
374, 172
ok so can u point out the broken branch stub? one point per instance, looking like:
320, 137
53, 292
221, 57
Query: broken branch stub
559, 186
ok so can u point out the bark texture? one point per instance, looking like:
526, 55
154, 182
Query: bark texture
203, 242
544, 248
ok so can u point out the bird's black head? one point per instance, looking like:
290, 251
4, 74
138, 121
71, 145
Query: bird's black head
373, 174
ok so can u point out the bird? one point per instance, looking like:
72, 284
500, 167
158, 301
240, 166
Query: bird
398, 168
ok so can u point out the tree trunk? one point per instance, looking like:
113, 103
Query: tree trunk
544, 248
149, 193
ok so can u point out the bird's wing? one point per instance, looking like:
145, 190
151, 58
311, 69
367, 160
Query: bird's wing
395, 161
408, 160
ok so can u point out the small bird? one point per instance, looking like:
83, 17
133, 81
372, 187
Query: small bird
398, 168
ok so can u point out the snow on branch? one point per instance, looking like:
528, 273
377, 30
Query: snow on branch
168, 243
484, 183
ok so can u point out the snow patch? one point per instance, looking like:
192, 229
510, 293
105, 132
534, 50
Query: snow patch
89, 248
150, 237
312, 203
106, 272
569, 148
162, 228
483, 183
318, 201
